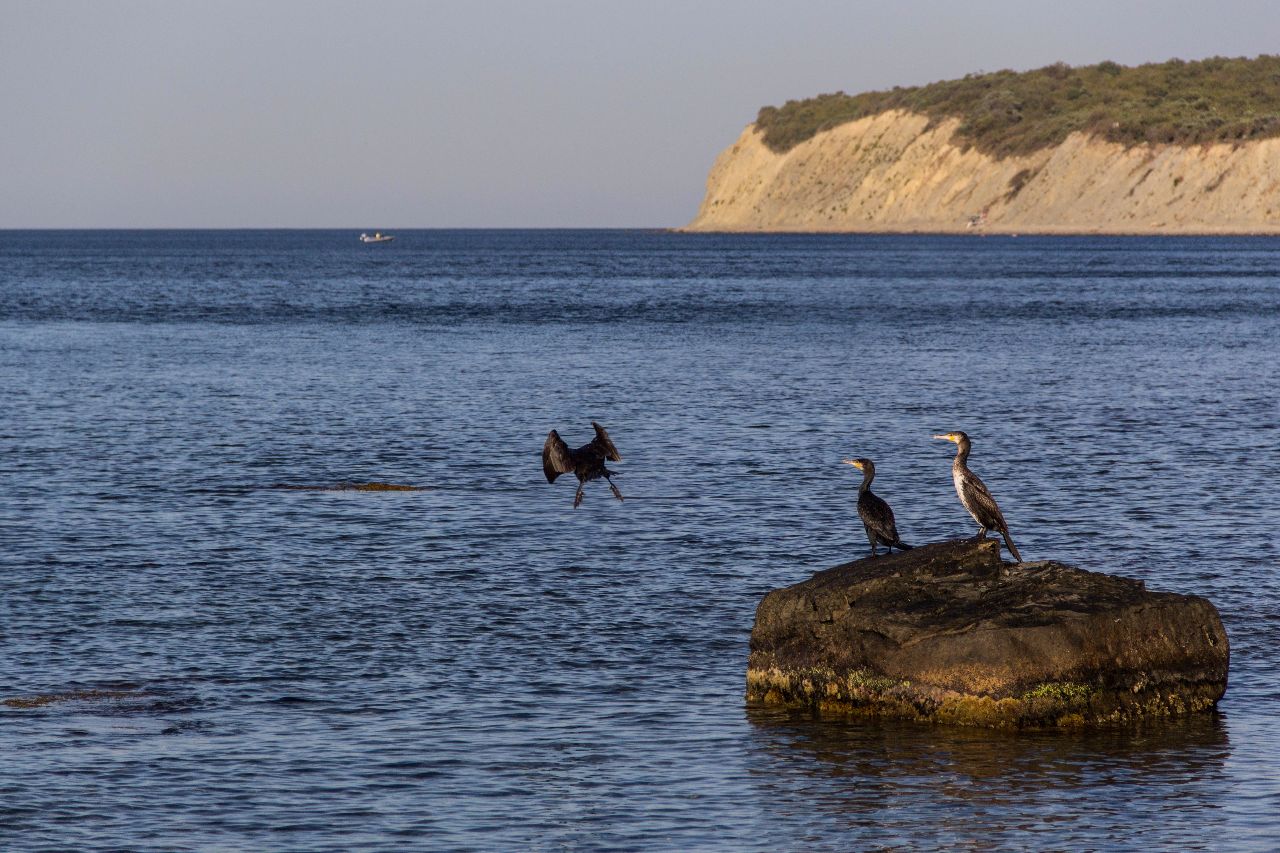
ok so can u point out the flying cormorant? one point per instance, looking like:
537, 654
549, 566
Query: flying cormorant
975, 496
586, 463
876, 515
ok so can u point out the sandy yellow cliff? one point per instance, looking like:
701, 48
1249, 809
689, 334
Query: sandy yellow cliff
895, 172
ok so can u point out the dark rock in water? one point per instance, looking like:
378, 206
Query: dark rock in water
351, 487
43, 699
949, 633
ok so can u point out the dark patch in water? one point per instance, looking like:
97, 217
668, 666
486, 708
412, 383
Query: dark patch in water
44, 699
350, 487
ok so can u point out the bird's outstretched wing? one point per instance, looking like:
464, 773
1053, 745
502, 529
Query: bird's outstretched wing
555, 457
604, 445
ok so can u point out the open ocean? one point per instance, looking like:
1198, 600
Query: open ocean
478, 666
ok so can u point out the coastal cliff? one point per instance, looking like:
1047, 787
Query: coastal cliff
900, 171
1164, 148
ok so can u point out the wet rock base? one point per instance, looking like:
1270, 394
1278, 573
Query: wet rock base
949, 633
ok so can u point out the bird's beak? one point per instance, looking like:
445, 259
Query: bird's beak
855, 463
947, 437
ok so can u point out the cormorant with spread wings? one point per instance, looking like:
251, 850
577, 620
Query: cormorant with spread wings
586, 463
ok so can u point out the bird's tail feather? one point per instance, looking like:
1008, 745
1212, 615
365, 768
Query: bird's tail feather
1008, 540
902, 545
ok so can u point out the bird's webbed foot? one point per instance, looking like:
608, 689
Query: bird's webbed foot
617, 494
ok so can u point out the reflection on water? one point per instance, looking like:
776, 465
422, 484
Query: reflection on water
915, 786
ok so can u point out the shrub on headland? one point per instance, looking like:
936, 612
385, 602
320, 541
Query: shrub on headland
1008, 112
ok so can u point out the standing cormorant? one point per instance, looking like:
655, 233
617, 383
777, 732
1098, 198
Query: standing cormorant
876, 516
586, 463
975, 496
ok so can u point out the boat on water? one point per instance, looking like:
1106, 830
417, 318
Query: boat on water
376, 237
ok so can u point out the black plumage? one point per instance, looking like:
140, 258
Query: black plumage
877, 517
586, 463
974, 494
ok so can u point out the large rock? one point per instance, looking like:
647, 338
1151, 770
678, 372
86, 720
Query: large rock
949, 633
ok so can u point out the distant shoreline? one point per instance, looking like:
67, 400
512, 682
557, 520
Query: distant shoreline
1045, 231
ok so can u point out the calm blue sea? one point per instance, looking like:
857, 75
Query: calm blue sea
478, 666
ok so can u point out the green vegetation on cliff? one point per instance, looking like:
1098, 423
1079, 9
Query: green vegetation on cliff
1007, 112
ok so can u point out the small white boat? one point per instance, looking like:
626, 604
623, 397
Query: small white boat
376, 237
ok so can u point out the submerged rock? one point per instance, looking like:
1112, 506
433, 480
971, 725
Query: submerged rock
40, 700
350, 487
949, 633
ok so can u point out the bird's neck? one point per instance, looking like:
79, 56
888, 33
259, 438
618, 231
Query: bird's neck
867, 477
962, 455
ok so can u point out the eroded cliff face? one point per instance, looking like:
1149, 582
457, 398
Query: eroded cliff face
895, 172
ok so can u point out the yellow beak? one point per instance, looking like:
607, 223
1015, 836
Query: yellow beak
855, 463
947, 437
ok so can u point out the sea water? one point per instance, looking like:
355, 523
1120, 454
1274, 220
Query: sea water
193, 659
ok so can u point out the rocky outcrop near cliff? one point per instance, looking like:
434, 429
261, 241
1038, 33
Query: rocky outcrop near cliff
900, 172
950, 633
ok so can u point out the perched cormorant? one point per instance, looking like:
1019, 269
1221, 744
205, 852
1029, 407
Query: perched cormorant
586, 463
876, 516
974, 495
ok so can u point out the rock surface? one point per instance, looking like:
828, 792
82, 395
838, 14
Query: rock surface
950, 633
898, 171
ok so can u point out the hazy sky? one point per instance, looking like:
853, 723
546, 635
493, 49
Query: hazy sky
395, 114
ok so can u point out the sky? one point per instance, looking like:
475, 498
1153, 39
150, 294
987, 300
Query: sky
482, 113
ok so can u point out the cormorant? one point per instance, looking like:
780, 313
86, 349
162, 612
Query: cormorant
975, 496
876, 516
586, 463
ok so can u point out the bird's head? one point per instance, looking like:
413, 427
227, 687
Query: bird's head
859, 463
955, 437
